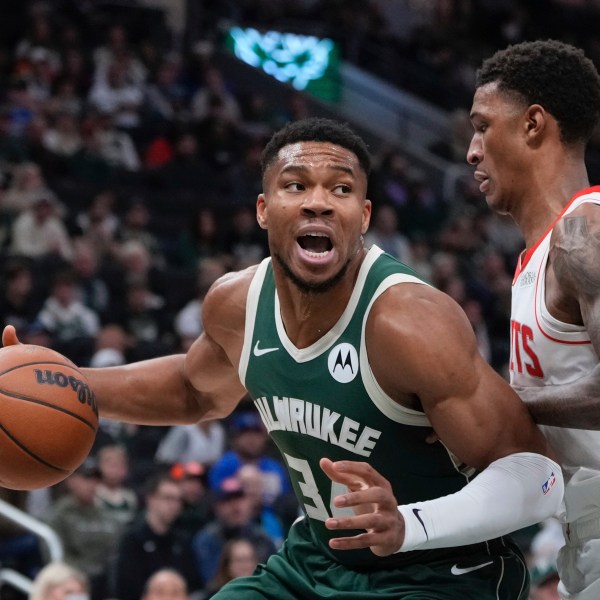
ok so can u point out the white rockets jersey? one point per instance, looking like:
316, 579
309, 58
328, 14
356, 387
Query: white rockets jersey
545, 351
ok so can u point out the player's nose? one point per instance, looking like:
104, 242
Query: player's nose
474, 152
317, 201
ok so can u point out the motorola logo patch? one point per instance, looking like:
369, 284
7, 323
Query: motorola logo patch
343, 363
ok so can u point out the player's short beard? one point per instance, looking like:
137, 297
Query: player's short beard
308, 287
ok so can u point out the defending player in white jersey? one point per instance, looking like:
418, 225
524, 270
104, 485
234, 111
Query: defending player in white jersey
535, 107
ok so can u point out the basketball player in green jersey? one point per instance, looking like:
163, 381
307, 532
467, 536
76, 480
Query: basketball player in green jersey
351, 359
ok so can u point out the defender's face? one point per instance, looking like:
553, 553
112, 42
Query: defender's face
497, 146
315, 209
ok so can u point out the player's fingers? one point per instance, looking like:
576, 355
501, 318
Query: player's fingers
350, 480
348, 468
382, 497
373, 521
9, 336
380, 544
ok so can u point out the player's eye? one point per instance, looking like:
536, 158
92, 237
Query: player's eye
342, 189
294, 186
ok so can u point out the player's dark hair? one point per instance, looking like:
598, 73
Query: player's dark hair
555, 75
316, 129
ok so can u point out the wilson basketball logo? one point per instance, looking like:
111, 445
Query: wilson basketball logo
343, 363
84, 394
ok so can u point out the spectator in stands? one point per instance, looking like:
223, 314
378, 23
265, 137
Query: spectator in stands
385, 234
112, 343
72, 325
115, 146
263, 514
201, 442
26, 186
245, 242
62, 137
39, 232
144, 318
112, 492
201, 240
117, 47
136, 226
249, 446
153, 542
92, 289
88, 532
99, 223
59, 581
197, 501
166, 96
215, 88
238, 559
233, 519
188, 320
165, 584
454, 146
116, 93
65, 100
19, 304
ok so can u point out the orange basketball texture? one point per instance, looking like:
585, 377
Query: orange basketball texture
48, 417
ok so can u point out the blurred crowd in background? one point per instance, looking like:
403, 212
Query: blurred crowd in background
129, 169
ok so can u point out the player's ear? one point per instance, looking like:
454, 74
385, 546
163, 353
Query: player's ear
261, 211
366, 217
535, 120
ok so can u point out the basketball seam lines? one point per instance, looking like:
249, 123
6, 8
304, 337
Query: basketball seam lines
42, 403
32, 454
40, 362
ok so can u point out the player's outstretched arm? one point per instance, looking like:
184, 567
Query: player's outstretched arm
422, 349
202, 384
575, 278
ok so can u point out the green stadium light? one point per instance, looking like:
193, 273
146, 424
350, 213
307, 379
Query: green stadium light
306, 62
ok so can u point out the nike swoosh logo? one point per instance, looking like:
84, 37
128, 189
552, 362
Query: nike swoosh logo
260, 351
456, 570
416, 512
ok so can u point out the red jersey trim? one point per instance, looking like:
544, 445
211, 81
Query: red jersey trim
525, 256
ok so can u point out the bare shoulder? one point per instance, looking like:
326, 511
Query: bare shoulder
406, 309
224, 307
414, 329
575, 249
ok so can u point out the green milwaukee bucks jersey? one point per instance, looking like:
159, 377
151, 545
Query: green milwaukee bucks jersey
324, 401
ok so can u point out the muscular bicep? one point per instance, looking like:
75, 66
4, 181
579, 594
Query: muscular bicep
212, 377
431, 353
575, 260
211, 364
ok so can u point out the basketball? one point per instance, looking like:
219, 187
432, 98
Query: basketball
48, 417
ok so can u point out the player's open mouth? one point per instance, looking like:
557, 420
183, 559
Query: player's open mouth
316, 244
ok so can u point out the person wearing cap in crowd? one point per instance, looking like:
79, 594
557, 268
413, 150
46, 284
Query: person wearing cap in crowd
249, 446
154, 541
233, 519
88, 532
197, 508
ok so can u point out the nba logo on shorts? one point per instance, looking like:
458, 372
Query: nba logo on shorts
549, 483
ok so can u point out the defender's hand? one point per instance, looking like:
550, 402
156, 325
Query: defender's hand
376, 510
9, 336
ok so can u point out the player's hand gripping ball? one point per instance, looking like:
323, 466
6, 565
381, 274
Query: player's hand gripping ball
48, 417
